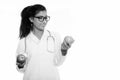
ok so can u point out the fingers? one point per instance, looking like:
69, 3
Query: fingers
65, 46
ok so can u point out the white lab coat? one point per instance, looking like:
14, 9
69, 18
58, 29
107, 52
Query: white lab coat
42, 65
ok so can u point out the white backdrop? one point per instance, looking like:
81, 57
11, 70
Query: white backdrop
94, 24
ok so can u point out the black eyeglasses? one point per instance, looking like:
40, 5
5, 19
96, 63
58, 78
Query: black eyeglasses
42, 18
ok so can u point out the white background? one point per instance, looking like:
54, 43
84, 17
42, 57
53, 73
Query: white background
94, 24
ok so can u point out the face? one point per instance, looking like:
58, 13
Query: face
40, 20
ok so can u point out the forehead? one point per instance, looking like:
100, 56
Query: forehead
41, 13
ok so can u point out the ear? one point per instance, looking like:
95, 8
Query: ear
31, 19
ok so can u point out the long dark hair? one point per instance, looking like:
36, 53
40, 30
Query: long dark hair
27, 12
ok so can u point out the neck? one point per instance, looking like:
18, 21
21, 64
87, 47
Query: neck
38, 33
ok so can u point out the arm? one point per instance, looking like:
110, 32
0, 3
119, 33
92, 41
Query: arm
62, 49
59, 58
21, 57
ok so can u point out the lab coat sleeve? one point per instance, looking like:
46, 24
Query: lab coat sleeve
20, 50
59, 58
20, 47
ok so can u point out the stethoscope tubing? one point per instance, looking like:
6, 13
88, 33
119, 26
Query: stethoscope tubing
50, 36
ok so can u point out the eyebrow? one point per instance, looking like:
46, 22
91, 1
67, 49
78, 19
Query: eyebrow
41, 15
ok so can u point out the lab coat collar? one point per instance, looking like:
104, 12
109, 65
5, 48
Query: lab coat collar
35, 39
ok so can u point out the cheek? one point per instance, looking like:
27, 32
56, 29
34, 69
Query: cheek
37, 23
41, 24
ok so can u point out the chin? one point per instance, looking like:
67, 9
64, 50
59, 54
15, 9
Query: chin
41, 29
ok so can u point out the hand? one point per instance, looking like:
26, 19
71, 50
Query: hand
68, 41
21, 59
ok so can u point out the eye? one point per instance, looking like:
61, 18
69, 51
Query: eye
40, 17
45, 17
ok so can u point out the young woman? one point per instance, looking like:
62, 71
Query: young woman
39, 51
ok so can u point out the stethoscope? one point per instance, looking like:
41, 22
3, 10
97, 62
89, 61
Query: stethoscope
50, 43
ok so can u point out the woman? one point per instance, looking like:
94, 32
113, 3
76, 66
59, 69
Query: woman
39, 51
